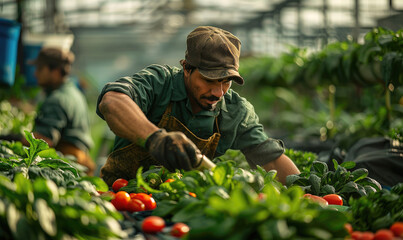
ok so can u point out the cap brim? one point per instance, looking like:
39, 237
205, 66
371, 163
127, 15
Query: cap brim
223, 73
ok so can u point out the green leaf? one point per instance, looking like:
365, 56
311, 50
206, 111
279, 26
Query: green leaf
370, 182
315, 184
46, 217
165, 208
359, 174
98, 182
291, 179
48, 153
319, 167
220, 174
13, 217
348, 164
58, 164
142, 183
191, 209
35, 146
46, 189
350, 187
327, 189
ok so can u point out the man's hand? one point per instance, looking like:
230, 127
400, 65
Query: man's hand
173, 150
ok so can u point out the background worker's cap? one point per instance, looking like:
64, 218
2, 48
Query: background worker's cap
54, 57
215, 52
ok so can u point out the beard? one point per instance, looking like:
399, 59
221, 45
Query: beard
209, 107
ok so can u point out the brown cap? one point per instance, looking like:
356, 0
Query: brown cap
55, 57
215, 52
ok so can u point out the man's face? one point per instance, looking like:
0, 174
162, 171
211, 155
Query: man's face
204, 93
46, 77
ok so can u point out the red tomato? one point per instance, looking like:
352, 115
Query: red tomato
367, 236
397, 229
349, 228
132, 195
169, 180
333, 199
356, 235
261, 196
119, 183
135, 205
192, 194
121, 200
148, 201
153, 224
383, 234
179, 230
317, 199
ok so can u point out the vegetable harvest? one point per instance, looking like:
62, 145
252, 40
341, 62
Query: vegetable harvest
224, 202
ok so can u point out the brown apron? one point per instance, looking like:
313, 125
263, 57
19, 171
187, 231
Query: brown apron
83, 158
124, 162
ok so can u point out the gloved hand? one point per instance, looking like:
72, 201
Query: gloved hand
173, 150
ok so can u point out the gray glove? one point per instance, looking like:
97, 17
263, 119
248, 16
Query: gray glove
173, 150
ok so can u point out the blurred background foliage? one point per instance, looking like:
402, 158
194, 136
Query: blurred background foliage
337, 95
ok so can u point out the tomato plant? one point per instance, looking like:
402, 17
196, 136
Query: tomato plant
135, 205
148, 201
383, 234
121, 200
118, 183
397, 229
179, 230
152, 224
333, 199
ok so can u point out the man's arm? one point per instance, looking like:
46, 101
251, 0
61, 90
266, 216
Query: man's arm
125, 118
284, 166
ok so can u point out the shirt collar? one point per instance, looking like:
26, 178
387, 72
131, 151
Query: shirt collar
179, 90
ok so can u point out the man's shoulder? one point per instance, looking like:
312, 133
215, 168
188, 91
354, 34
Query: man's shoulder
67, 94
165, 70
234, 100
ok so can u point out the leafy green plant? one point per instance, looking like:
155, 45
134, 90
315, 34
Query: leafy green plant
242, 214
320, 181
40, 161
302, 159
40, 209
14, 120
377, 210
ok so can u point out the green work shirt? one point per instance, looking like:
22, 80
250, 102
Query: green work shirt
63, 115
154, 87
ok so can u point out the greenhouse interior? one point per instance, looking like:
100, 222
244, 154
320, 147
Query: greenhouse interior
198, 119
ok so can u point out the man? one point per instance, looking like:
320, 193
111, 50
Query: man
170, 116
62, 119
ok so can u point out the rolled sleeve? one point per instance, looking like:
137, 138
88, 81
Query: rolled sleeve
143, 87
263, 153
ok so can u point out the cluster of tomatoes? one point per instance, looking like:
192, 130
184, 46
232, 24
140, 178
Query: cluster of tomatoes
155, 224
395, 232
136, 202
133, 202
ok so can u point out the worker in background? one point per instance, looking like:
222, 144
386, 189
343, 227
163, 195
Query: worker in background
169, 116
62, 119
